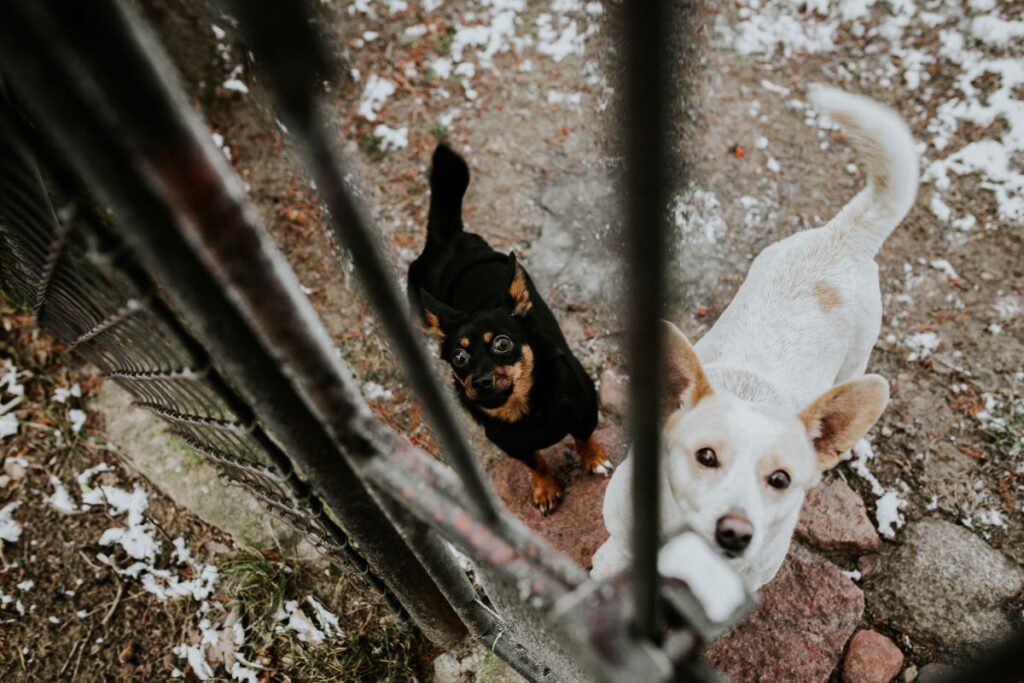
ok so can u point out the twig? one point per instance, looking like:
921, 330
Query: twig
117, 600
78, 662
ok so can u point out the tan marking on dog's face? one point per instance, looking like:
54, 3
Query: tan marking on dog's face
467, 385
826, 296
464, 342
433, 324
488, 336
519, 376
520, 293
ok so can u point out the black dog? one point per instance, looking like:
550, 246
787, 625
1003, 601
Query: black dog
512, 367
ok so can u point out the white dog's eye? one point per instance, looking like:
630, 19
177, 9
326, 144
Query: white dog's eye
707, 457
779, 479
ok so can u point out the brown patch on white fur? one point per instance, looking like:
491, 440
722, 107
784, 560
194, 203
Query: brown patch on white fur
519, 376
827, 296
520, 292
842, 415
685, 382
433, 324
488, 336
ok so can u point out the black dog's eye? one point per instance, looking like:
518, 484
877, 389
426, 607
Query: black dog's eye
779, 479
502, 344
460, 357
707, 457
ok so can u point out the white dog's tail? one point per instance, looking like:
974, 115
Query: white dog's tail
886, 151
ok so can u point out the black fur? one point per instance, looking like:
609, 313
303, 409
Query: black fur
466, 284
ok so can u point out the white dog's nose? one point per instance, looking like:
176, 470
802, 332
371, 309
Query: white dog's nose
734, 531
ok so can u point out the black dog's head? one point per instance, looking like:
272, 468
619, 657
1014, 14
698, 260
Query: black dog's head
488, 351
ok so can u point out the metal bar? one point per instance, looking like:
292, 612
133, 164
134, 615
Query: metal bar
107, 96
129, 309
117, 257
290, 51
184, 374
645, 104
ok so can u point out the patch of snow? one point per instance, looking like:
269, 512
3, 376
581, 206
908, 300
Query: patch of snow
10, 529
921, 345
77, 418
8, 425
698, 214
376, 92
887, 511
196, 659
296, 620
377, 392
327, 619
716, 586
392, 138
60, 499
945, 266
61, 395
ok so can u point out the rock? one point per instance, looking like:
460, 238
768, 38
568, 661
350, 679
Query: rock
834, 519
614, 393
934, 673
872, 658
576, 527
910, 674
797, 633
945, 587
869, 564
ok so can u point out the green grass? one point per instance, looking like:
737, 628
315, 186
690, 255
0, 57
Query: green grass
374, 647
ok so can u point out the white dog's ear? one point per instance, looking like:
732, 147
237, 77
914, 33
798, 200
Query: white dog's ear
685, 383
842, 415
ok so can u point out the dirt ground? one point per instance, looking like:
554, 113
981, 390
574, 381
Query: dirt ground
532, 113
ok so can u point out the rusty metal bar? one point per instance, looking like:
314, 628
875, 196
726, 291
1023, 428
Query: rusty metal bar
289, 50
116, 257
108, 96
646, 85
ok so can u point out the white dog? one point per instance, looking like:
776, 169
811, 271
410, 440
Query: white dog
775, 393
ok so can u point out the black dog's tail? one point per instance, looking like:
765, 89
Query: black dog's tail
449, 178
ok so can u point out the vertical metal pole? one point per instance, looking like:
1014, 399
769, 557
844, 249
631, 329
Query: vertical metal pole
289, 50
110, 102
646, 26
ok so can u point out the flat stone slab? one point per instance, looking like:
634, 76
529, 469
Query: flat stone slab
576, 526
834, 519
946, 587
807, 614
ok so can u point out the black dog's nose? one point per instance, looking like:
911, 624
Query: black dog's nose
734, 531
485, 382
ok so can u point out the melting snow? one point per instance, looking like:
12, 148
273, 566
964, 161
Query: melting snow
392, 138
887, 511
377, 91
10, 529
60, 499
921, 345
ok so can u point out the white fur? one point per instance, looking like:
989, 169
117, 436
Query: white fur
805, 320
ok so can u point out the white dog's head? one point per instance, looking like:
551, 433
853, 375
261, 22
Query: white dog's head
738, 471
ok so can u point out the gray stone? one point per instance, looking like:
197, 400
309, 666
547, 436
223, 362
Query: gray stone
188, 480
944, 586
614, 393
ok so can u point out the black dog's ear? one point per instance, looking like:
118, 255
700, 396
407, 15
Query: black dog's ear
437, 316
449, 178
518, 288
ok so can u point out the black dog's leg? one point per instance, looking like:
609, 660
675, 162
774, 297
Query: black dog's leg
590, 450
547, 492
